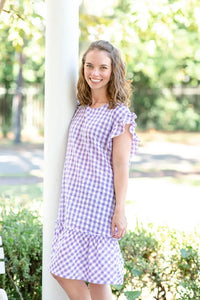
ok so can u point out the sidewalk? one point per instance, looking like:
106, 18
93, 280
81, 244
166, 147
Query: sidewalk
21, 164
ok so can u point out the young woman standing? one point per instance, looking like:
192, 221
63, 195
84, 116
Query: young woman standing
91, 215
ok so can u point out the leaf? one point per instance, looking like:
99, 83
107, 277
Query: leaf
184, 253
136, 272
118, 287
132, 295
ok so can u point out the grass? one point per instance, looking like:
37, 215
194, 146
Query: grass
187, 180
16, 197
23, 194
17, 175
182, 137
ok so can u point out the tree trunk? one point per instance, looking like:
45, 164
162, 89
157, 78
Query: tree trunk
2, 2
18, 103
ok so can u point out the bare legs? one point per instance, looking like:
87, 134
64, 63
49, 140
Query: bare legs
74, 288
100, 291
77, 288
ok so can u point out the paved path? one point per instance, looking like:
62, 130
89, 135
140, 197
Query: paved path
164, 159
21, 166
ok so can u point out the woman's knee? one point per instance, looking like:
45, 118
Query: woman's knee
99, 286
73, 288
100, 291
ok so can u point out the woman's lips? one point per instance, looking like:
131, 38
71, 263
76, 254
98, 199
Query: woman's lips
95, 80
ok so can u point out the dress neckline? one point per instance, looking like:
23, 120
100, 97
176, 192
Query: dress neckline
104, 105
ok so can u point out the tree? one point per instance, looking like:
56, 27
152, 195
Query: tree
160, 42
161, 47
25, 32
7, 57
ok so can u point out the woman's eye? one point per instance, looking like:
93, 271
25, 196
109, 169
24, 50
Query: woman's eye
88, 66
104, 68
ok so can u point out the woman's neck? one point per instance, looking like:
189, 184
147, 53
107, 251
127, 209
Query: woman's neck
99, 98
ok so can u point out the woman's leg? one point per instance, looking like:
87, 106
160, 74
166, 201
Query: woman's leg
75, 289
100, 291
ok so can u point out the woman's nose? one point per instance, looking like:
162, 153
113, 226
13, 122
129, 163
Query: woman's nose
95, 72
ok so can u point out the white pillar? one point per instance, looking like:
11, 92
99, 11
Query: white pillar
60, 90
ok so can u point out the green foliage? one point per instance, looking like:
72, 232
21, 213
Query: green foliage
21, 232
163, 111
132, 295
161, 263
158, 39
189, 266
27, 196
160, 43
7, 58
159, 55
22, 31
22, 53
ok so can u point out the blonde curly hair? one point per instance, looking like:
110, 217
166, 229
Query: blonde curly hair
119, 88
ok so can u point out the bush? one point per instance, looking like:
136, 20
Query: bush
21, 232
162, 263
161, 109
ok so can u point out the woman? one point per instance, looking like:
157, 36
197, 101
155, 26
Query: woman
91, 215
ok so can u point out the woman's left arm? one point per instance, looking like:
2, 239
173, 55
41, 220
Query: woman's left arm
121, 155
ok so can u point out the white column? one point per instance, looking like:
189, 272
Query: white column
60, 89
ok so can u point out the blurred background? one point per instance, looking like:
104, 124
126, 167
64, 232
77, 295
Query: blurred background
159, 40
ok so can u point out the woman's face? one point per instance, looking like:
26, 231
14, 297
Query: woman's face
97, 69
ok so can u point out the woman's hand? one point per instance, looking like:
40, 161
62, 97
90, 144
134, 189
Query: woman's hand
119, 224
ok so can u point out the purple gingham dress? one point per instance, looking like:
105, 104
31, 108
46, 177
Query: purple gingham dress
83, 247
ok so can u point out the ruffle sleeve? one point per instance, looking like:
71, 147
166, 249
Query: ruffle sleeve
122, 117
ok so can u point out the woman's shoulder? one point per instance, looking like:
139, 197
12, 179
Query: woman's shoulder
122, 112
121, 109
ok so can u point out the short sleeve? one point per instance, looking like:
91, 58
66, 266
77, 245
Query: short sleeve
121, 117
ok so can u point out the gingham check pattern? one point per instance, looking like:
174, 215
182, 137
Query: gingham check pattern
87, 257
87, 200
